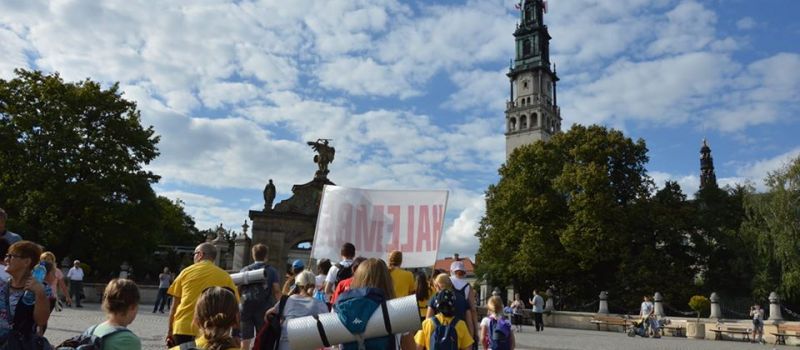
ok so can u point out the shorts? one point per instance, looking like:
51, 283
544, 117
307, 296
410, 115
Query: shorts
758, 325
251, 319
516, 319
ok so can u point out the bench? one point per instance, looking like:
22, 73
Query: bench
611, 321
732, 331
783, 332
676, 330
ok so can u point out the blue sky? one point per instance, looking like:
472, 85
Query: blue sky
413, 93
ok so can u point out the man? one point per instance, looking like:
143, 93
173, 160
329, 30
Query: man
258, 297
647, 312
538, 308
342, 269
75, 276
5, 234
186, 289
164, 280
457, 275
404, 285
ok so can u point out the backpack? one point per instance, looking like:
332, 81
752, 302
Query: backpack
461, 305
269, 335
87, 340
256, 294
444, 337
343, 272
499, 334
354, 308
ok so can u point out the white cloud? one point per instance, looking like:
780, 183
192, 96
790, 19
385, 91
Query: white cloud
746, 23
460, 235
757, 171
478, 90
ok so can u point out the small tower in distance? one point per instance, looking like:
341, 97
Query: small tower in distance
707, 177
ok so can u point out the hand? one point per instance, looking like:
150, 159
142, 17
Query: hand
34, 286
271, 311
170, 341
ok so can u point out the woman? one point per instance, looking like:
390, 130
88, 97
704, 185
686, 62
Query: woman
424, 293
440, 283
516, 311
494, 312
56, 281
373, 273
215, 314
28, 304
299, 305
120, 303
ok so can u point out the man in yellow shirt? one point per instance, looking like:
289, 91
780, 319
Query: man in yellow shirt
445, 305
403, 282
186, 289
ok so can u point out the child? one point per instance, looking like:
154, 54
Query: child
121, 303
440, 328
496, 331
216, 313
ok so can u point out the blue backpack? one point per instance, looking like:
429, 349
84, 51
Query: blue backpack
87, 340
499, 334
444, 337
354, 308
461, 305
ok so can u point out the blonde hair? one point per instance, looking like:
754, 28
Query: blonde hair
48, 256
373, 273
120, 295
215, 314
443, 281
495, 305
305, 281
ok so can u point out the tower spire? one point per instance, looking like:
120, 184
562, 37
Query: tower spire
532, 113
707, 176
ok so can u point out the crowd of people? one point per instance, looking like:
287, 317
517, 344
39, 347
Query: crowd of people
209, 311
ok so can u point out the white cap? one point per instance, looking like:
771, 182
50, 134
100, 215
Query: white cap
457, 266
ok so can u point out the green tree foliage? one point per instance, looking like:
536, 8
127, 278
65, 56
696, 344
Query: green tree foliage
74, 180
563, 212
773, 221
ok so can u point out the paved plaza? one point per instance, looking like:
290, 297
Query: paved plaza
151, 328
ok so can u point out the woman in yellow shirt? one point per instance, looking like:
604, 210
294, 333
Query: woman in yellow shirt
424, 293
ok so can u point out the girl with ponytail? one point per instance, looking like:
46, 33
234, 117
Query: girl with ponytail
216, 313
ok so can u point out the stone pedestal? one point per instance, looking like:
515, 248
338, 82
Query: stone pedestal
603, 307
695, 330
659, 304
241, 252
775, 307
716, 310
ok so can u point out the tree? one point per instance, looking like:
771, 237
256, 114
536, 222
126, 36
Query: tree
74, 178
773, 221
562, 212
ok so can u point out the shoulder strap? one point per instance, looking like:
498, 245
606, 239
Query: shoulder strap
322, 335
463, 288
386, 321
282, 304
7, 290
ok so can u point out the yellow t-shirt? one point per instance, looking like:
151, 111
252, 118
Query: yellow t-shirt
188, 286
423, 336
423, 304
201, 343
403, 282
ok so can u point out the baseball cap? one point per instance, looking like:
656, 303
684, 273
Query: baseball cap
298, 264
457, 266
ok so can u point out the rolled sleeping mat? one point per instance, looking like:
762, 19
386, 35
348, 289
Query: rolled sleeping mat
247, 277
304, 334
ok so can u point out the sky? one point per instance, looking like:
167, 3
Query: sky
413, 93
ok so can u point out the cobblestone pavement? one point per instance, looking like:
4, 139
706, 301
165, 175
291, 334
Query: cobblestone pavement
152, 328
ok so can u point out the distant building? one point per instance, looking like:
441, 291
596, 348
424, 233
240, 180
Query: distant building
532, 112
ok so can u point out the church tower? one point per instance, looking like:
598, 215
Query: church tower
532, 112
707, 176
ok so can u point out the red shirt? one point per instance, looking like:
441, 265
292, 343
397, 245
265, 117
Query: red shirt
341, 287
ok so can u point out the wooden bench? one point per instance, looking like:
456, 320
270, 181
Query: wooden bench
611, 321
677, 330
783, 332
732, 331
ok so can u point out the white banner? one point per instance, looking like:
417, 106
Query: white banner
379, 221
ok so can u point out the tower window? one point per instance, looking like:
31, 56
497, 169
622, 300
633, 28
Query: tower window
534, 120
524, 84
512, 124
523, 122
526, 48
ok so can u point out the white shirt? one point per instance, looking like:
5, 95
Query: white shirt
459, 283
538, 303
75, 274
647, 308
331, 278
3, 274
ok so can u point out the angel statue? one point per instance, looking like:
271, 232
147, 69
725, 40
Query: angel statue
323, 157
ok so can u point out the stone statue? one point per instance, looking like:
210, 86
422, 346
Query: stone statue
269, 195
324, 156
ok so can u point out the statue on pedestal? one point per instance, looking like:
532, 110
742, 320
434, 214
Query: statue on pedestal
325, 154
269, 195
